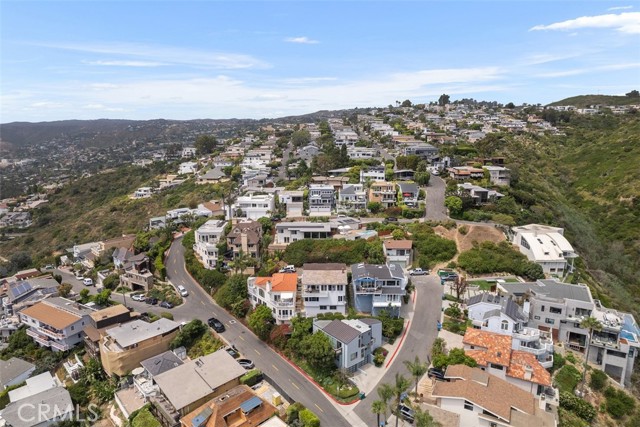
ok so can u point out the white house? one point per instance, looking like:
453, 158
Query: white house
373, 174
187, 168
288, 232
498, 175
324, 288
254, 206
277, 292
143, 192
399, 252
321, 199
294, 202
545, 245
207, 238
353, 340
352, 197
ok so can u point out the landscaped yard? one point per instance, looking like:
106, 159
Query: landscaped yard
335, 383
485, 285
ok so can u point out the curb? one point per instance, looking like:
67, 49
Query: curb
399, 344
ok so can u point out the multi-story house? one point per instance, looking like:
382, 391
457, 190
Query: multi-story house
321, 200
135, 273
346, 137
287, 232
143, 192
245, 237
254, 206
56, 323
353, 340
277, 292
559, 308
352, 197
483, 400
494, 354
123, 347
372, 173
480, 195
498, 175
207, 238
99, 321
383, 193
462, 173
408, 193
398, 252
545, 245
187, 168
378, 287
324, 288
426, 151
362, 153
294, 202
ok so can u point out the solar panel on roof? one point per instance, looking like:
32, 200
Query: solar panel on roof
202, 418
251, 404
20, 289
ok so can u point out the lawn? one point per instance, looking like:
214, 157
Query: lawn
567, 378
343, 391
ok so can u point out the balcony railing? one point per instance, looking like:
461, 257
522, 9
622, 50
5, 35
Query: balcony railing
59, 346
373, 290
282, 303
44, 341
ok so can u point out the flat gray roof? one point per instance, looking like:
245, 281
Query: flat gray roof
12, 369
138, 330
551, 289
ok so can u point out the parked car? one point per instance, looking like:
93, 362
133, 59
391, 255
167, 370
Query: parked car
288, 269
166, 304
79, 276
406, 413
183, 291
418, 272
138, 297
152, 301
246, 364
232, 352
392, 219
87, 281
436, 374
49, 267
216, 325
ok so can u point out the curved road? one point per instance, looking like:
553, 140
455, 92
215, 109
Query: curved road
436, 210
200, 305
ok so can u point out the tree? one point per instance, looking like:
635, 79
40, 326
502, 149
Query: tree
261, 322
64, 290
406, 103
385, 392
417, 369
460, 286
510, 106
318, 351
443, 100
241, 262
397, 234
591, 324
300, 138
102, 298
267, 225
424, 419
422, 178
374, 207
111, 281
399, 388
454, 204
84, 295
633, 94
379, 407
189, 334
205, 144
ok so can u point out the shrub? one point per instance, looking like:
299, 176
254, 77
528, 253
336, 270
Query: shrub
379, 355
308, 418
567, 378
580, 407
166, 315
144, 418
571, 358
463, 230
189, 334
251, 378
598, 380
618, 402
293, 411
558, 362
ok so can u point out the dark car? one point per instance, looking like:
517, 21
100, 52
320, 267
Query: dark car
166, 304
152, 301
233, 352
216, 325
436, 373
246, 364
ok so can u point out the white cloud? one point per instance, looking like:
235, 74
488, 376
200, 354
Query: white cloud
578, 71
301, 40
118, 63
620, 8
628, 23
543, 58
163, 55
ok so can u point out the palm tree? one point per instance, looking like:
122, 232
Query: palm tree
379, 407
399, 388
385, 391
417, 369
424, 419
592, 324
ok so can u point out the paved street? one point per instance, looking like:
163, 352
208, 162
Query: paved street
435, 200
282, 172
420, 336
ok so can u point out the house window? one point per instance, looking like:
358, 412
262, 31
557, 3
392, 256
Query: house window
323, 307
332, 307
340, 298
73, 327
354, 355
549, 321
494, 366
504, 325
542, 308
468, 405
555, 310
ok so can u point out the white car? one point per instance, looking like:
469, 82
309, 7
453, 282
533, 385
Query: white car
183, 291
87, 281
418, 272
288, 269
138, 297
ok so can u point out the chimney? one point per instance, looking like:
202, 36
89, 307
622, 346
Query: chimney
528, 372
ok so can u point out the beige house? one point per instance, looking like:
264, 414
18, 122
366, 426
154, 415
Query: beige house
384, 193
122, 348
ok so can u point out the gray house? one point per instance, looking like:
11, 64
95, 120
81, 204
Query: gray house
378, 287
353, 340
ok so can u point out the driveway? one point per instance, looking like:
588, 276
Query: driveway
435, 210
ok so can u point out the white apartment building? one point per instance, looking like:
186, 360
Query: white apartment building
545, 245
288, 232
207, 239
56, 323
277, 292
324, 288
254, 206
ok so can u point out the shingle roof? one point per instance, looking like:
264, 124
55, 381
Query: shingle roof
12, 369
341, 331
163, 362
28, 411
398, 244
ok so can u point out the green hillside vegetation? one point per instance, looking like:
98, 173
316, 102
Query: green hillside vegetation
98, 207
587, 182
584, 101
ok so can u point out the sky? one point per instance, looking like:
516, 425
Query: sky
220, 59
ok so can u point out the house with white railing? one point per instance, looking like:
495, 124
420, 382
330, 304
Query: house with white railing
207, 239
277, 292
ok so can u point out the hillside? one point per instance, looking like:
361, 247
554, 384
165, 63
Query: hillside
98, 207
587, 182
584, 101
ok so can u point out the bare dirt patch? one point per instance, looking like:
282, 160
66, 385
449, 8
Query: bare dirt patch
475, 233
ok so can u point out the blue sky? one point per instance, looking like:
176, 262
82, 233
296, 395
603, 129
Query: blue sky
216, 59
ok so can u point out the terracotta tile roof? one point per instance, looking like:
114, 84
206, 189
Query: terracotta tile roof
50, 315
397, 244
520, 360
487, 391
496, 347
280, 282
